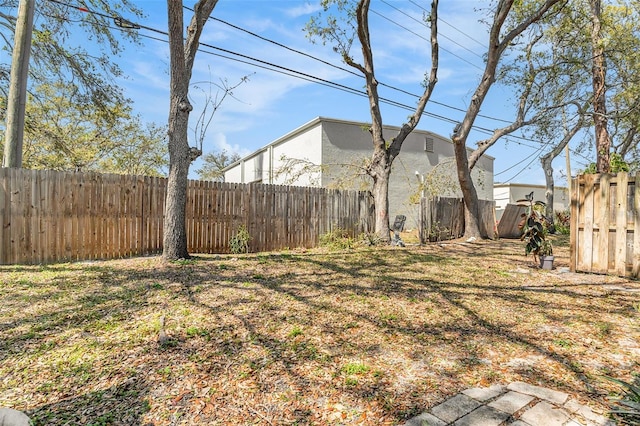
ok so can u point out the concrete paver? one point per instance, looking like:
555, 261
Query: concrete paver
593, 419
425, 419
484, 394
512, 402
540, 392
517, 404
544, 413
483, 416
454, 408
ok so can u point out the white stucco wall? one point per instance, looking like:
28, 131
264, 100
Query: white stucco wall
347, 145
341, 148
297, 161
293, 159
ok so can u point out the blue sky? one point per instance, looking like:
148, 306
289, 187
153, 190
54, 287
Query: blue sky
271, 104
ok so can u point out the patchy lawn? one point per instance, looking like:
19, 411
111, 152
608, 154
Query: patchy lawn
369, 336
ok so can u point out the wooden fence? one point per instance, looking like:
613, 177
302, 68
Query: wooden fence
48, 216
443, 218
605, 224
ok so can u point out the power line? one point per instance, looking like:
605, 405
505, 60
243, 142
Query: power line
427, 26
345, 69
522, 170
450, 25
424, 38
538, 150
298, 74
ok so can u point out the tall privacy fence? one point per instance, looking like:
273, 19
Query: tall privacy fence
605, 224
442, 218
48, 216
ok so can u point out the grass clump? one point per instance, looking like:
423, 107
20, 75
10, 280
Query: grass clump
239, 243
355, 368
337, 239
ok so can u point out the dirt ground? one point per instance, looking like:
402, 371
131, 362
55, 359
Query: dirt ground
367, 336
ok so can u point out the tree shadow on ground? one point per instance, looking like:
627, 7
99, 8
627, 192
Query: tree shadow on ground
342, 308
122, 404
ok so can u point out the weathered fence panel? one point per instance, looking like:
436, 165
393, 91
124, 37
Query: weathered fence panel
605, 224
49, 216
443, 218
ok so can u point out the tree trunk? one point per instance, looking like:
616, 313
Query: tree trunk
549, 186
175, 232
469, 193
380, 171
182, 54
497, 46
17, 99
385, 152
603, 141
381, 203
547, 167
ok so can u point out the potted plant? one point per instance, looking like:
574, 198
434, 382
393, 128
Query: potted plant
545, 253
534, 232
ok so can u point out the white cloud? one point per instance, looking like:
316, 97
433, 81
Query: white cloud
306, 9
218, 142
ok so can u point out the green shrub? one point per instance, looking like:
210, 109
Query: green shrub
563, 222
337, 239
239, 243
626, 407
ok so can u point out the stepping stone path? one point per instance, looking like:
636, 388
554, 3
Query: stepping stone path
518, 404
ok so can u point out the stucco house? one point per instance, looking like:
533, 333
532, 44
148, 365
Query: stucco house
328, 152
510, 193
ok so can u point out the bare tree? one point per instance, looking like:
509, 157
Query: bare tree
498, 43
384, 152
181, 155
547, 159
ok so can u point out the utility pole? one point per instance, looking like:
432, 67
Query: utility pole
17, 100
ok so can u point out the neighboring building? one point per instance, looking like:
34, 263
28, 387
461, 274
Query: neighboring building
510, 193
330, 153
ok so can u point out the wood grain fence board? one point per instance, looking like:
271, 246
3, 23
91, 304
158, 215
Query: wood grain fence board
50, 216
66, 188
22, 199
601, 223
605, 224
16, 217
5, 216
36, 216
622, 207
152, 215
133, 217
588, 222
635, 269
77, 210
108, 224
204, 218
190, 212
40, 222
574, 224
98, 211
126, 210
25, 200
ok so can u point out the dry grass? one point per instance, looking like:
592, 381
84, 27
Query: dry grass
369, 336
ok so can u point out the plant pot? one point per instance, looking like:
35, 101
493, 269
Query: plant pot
546, 262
